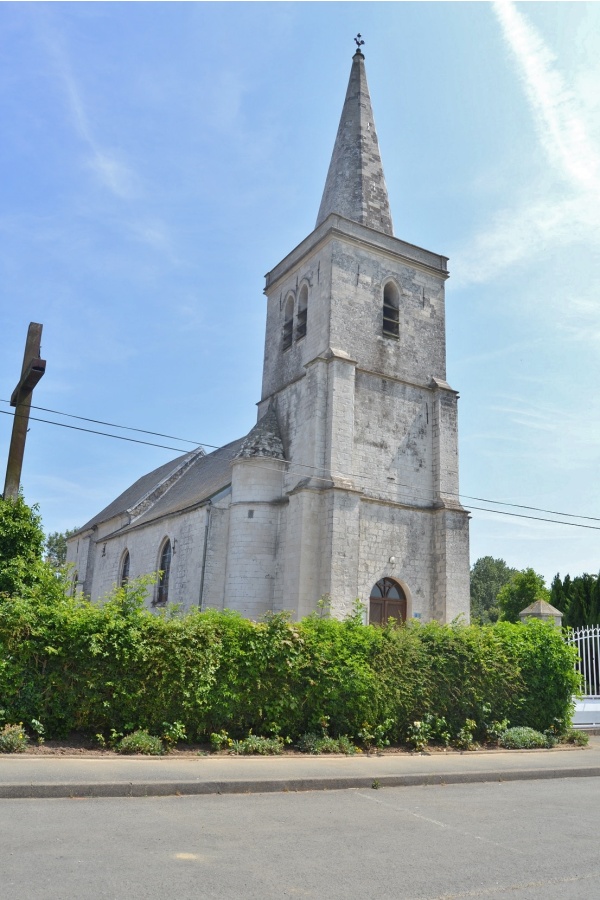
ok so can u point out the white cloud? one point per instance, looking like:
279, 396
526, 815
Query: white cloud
561, 126
564, 206
111, 172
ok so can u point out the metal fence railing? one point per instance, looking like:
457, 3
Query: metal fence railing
587, 641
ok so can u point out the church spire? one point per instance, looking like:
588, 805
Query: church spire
355, 186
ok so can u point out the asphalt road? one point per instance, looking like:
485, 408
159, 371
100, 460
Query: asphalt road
526, 839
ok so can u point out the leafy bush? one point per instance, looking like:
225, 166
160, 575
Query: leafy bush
465, 739
39, 729
172, 733
140, 742
254, 744
316, 744
13, 739
97, 668
523, 738
419, 735
375, 736
309, 742
220, 740
573, 736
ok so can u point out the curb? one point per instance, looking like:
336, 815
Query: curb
255, 786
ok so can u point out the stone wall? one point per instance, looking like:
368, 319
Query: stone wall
144, 544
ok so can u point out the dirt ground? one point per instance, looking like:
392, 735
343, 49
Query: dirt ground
77, 746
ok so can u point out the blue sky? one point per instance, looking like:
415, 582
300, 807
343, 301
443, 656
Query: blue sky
159, 158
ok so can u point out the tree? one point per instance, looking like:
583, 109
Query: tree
21, 545
578, 599
523, 589
56, 547
488, 576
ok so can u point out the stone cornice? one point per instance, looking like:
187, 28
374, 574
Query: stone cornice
337, 227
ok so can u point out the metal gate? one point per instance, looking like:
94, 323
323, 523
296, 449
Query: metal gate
587, 641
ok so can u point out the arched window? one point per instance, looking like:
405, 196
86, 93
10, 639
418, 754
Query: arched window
391, 310
124, 569
387, 601
164, 565
302, 313
288, 323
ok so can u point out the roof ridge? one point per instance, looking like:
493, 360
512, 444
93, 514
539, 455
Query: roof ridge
159, 490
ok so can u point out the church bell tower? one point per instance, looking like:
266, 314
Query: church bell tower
355, 381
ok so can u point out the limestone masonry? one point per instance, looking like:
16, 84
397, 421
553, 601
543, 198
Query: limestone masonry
347, 487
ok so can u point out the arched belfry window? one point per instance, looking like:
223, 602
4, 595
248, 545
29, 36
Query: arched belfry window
387, 601
164, 565
391, 310
288, 323
302, 313
124, 574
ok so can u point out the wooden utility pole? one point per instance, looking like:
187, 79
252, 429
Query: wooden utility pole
32, 371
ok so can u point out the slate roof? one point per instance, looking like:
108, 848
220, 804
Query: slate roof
208, 476
205, 476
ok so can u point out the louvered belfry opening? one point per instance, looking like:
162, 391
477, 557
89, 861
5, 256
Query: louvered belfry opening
302, 313
288, 324
391, 311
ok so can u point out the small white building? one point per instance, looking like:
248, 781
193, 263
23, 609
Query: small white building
348, 484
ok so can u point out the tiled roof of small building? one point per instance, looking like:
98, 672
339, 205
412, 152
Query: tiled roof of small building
540, 607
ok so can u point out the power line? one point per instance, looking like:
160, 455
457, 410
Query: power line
501, 512
552, 512
57, 412
380, 490
118, 437
171, 437
498, 512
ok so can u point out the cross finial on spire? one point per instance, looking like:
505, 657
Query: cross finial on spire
359, 42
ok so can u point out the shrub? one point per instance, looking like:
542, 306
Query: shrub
346, 746
220, 740
140, 742
39, 729
419, 734
13, 739
375, 736
316, 744
173, 732
465, 739
524, 738
573, 736
254, 744
98, 668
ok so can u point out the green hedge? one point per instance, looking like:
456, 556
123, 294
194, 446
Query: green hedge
75, 666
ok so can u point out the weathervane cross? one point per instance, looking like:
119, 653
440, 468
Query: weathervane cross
358, 42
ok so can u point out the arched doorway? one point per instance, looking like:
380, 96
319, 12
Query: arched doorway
387, 601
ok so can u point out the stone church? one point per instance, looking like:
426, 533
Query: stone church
347, 486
